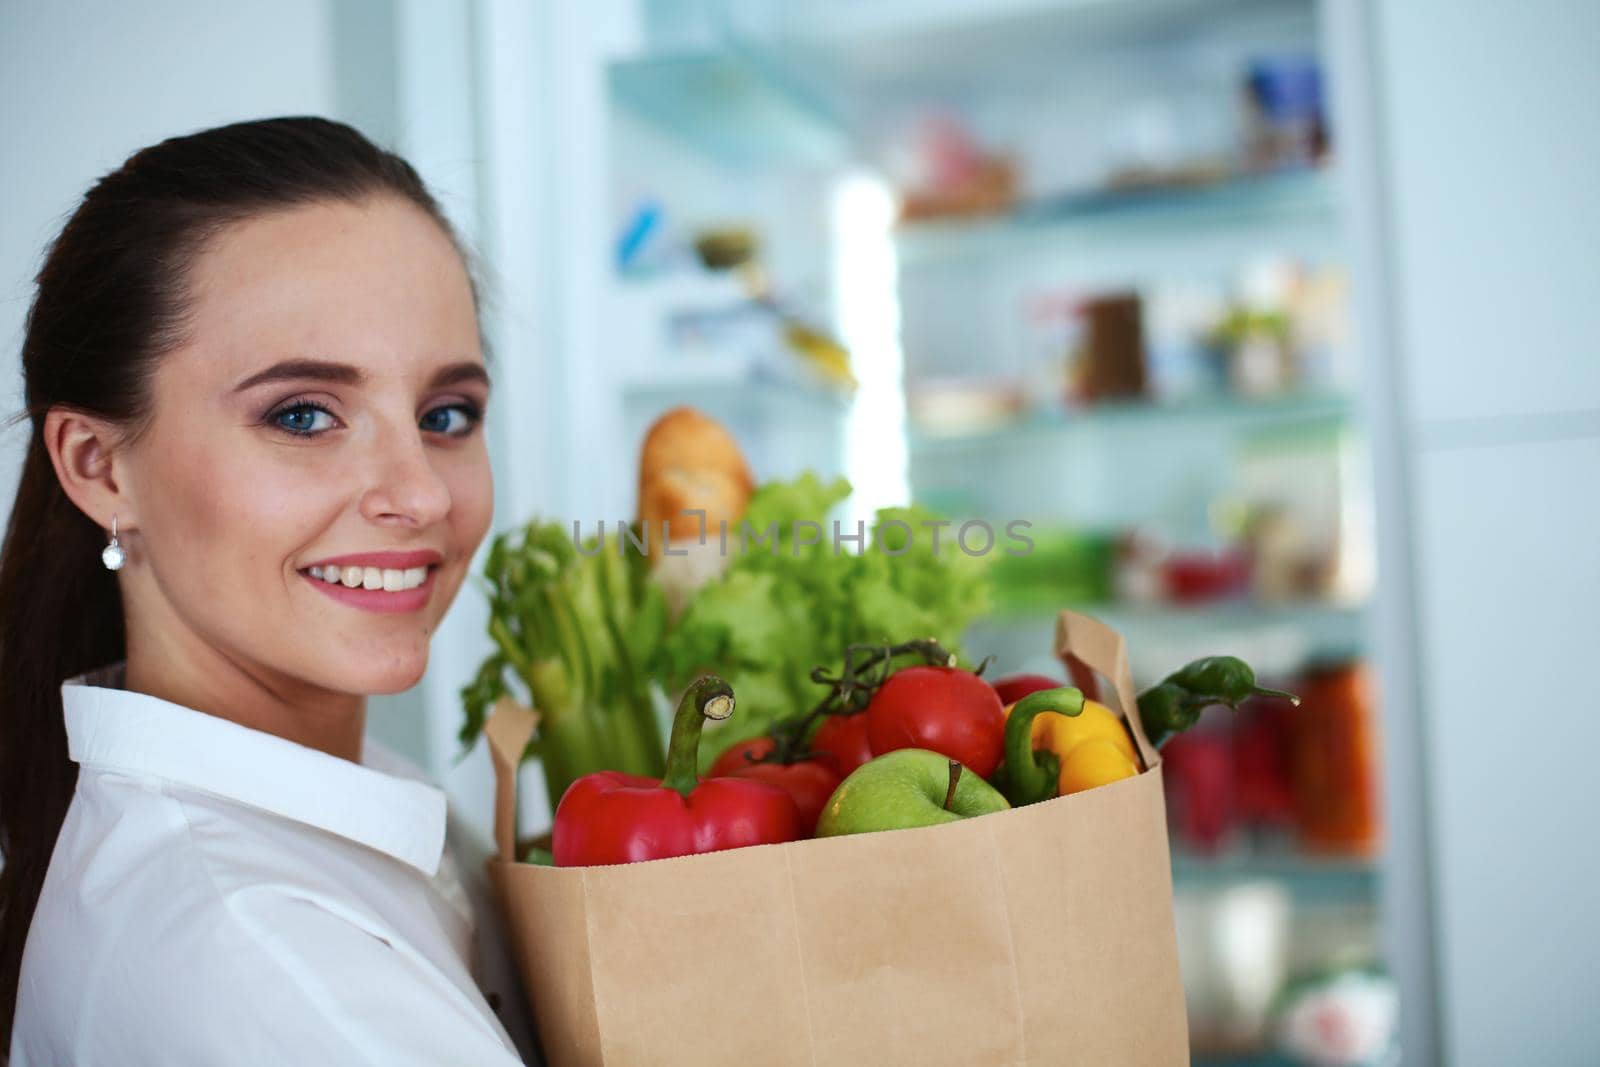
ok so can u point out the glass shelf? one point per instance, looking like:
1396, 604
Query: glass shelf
1277, 639
1306, 197
720, 380
1286, 409
1311, 879
736, 105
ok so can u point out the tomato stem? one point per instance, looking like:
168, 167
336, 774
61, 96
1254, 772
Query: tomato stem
866, 667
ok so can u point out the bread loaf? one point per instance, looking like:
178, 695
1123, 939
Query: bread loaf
689, 461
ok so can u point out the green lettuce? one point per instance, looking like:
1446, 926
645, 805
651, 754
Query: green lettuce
783, 607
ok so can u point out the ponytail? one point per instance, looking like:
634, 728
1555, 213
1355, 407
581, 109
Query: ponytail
60, 615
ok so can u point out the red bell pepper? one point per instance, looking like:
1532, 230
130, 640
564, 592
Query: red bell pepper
809, 782
611, 817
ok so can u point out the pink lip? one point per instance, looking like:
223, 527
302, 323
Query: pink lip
393, 560
380, 600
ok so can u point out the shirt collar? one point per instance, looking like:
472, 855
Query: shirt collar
109, 727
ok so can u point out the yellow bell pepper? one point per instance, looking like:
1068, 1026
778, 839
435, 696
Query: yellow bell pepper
1094, 762
1073, 744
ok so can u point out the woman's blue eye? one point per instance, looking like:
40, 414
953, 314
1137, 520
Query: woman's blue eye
303, 416
469, 418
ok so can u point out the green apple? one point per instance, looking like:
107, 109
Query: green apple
904, 788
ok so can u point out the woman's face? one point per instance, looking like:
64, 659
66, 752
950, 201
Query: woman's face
324, 412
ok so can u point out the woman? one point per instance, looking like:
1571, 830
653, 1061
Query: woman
256, 480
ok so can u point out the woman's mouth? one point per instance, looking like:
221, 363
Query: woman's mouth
380, 589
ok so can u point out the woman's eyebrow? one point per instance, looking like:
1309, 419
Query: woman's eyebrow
456, 373
345, 374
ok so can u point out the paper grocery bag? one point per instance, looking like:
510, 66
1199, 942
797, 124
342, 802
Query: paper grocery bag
1039, 935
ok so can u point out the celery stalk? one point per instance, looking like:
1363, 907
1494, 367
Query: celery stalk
567, 625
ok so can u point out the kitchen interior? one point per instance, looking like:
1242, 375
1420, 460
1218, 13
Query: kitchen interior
1273, 318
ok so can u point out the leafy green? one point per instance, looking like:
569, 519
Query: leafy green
579, 629
783, 606
586, 631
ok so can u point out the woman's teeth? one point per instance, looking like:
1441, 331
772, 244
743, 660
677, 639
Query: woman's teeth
385, 578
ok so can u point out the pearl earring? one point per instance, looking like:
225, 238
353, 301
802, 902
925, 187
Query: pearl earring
112, 555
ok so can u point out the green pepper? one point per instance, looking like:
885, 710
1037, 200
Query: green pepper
1030, 775
1176, 704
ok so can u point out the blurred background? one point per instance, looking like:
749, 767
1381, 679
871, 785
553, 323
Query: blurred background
1276, 318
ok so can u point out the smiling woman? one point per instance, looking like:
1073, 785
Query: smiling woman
254, 353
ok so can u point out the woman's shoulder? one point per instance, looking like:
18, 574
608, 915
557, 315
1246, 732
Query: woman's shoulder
134, 918
267, 973
135, 858
162, 875
180, 843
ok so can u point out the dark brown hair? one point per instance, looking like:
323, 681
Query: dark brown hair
112, 299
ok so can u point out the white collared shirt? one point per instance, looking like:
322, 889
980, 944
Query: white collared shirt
223, 896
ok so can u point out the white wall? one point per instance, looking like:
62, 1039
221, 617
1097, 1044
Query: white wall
1487, 333
85, 84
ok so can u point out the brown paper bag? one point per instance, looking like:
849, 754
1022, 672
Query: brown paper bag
1039, 935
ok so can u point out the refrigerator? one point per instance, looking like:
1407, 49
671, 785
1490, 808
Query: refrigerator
1170, 281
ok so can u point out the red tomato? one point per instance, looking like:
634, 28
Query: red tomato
951, 711
809, 782
1013, 687
844, 738
733, 758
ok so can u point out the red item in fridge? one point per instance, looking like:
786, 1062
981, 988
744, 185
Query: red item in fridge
1262, 741
1197, 767
1192, 577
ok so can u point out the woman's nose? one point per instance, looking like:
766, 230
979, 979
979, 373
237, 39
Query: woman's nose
405, 486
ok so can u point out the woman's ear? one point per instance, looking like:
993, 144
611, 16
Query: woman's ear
87, 456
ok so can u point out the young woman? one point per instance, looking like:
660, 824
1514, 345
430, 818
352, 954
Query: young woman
256, 480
